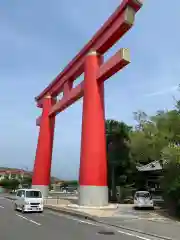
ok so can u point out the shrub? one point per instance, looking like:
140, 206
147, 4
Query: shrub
171, 186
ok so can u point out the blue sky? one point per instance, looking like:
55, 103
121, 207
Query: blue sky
38, 39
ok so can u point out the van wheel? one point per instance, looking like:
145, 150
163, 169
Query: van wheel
22, 210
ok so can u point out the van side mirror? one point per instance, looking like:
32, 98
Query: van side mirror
22, 196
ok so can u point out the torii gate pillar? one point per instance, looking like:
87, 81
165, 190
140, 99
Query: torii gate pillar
42, 164
93, 164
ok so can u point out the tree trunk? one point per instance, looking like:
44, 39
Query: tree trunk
113, 184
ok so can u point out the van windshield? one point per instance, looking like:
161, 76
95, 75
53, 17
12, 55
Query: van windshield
33, 194
143, 194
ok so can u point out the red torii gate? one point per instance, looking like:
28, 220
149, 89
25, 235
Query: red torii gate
93, 188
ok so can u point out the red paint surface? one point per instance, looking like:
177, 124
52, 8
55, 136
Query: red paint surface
93, 162
68, 99
112, 30
42, 165
109, 68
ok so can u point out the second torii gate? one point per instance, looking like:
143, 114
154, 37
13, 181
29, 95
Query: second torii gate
93, 190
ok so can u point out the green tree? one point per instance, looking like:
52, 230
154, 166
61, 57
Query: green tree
26, 181
14, 184
73, 183
140, 147
171, 180
10, 184
140, 117
4, 183
142, 139
158, 138
152, 134
117, 140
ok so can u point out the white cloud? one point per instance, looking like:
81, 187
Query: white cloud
163, 91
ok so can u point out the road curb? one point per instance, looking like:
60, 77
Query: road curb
70, 212
86, 216
134, 230
11, 198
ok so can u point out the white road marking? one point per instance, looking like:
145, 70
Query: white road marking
122, 232
133, 235
38, 214
10, 200
90, 223
1, 207
74, 219
131, 220
99, 225
29, 220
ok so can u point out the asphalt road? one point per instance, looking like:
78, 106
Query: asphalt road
53, 226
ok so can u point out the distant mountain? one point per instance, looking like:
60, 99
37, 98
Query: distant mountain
10, 169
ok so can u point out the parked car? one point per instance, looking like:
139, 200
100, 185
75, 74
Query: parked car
143, 199
29, 200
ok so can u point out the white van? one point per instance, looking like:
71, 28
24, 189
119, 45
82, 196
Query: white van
143, 199
29, 200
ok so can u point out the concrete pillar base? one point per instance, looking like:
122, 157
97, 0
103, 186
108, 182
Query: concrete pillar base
96, 196
42, 188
